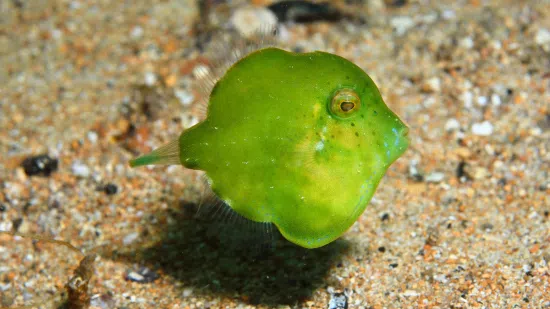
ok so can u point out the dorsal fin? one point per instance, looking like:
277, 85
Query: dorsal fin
222, 54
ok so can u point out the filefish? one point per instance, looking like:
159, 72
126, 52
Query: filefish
299, 140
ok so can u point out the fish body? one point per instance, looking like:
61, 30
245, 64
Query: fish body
300, 140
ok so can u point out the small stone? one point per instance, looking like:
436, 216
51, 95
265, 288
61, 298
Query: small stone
448, 14
484, 128
252, 20
463, 152
142, 275
542, 37
3, 207
480, 173
110, 189
80, 169
137, 32
16, 223
414, 173
130, 238
402, 24
441, 278
432, 85
338, 301
461, 172
452, 125
103, 301
185, 97
187, 292
435, 177
495, 99
410, 293
429, 101
305, 11
397, 3
467, 42
41, 165
467, 99
92, 137
482, 100
133, 276
150, 79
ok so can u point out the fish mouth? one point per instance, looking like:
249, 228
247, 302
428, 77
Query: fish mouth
398, 142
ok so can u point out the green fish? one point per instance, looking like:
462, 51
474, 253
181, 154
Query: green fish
299, 140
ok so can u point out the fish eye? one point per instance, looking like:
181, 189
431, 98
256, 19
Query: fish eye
344, 103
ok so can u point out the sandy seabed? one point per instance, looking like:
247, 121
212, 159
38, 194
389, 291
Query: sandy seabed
460, 221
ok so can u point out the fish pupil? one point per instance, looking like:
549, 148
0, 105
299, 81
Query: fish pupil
346, 106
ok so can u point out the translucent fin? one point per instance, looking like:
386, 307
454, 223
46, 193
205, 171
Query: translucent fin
164, 155
223, 53
231, 228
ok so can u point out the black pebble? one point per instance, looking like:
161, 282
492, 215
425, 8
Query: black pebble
110, 189
385, 217
382, 249
3, 208
17, 223
304, 11
461, 171
142, 275
41, 165
394, 265
398, 3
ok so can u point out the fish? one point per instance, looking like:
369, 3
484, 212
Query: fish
297, 140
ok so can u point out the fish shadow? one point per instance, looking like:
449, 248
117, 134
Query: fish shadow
213, 257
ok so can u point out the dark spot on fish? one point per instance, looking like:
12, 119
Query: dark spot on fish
353, 124
375, 113
347, 76
332, 136
357, 134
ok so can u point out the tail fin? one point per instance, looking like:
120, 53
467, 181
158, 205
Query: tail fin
164, 155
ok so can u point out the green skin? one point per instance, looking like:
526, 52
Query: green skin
274, 152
